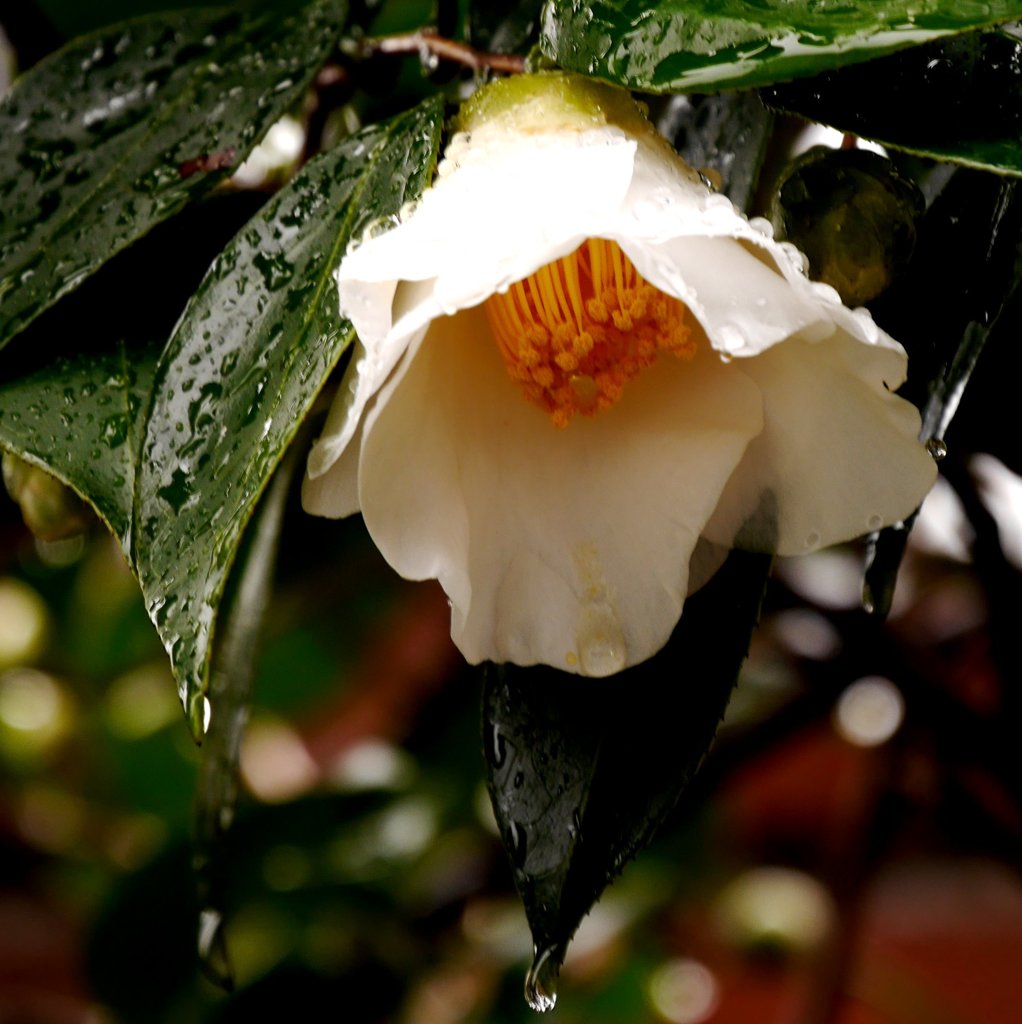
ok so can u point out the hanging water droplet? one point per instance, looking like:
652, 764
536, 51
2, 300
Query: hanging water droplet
937, 448
212, 948
812, 540
601, 644
718, 202
200, 712
870, 331
541, 981
825, 293
875, 522
730, 338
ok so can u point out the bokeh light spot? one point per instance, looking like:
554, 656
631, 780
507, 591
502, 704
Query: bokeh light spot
869, 711
24, 623
684, 991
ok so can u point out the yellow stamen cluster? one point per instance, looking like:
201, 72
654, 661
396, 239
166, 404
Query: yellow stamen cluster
577, 330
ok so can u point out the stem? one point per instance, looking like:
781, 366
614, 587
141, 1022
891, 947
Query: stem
858, 856
427, 44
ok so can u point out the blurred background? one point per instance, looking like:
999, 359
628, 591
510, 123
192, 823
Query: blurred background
850, 852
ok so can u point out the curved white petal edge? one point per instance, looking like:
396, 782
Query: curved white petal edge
572, 547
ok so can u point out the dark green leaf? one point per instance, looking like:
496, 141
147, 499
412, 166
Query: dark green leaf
81, 418
120, 129
504, 26
252, 350
956, 99
681, 45
583, 771
73, 18
969, 254
966, 253
726, 134
233, 671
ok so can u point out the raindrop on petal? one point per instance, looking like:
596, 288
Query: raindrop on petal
601, 644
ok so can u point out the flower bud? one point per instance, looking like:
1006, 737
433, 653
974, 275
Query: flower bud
51, 510
853, 215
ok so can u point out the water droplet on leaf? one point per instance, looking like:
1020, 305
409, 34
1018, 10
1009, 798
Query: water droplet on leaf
498, 747
517, 843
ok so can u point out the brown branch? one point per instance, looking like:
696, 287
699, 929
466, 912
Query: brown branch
428, 45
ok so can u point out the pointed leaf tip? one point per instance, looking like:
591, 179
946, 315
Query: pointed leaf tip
582, 772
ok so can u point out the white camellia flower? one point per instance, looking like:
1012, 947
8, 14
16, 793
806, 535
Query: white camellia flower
581, 376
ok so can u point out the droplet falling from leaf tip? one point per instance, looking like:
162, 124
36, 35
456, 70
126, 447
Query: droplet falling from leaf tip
541, 981
212, 948
878, 593
200, 714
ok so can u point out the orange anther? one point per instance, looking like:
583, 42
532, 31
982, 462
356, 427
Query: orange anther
576, 331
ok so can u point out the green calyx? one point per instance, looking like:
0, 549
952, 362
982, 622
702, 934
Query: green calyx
551, 101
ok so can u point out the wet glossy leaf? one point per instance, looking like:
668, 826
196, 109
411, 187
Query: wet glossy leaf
682, 45
504, 26
970, 254
956, 99
582, 772
74, 18
81, 418
233, 672
253, 348
119, 130
724, 134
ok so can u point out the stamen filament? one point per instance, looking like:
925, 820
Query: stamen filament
573, 333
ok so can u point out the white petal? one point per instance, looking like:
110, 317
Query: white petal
370, 365
577, 547
748, 290
568, 547
838, 455
744, 305
514, 204
334, 492
667, 200
511, 204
